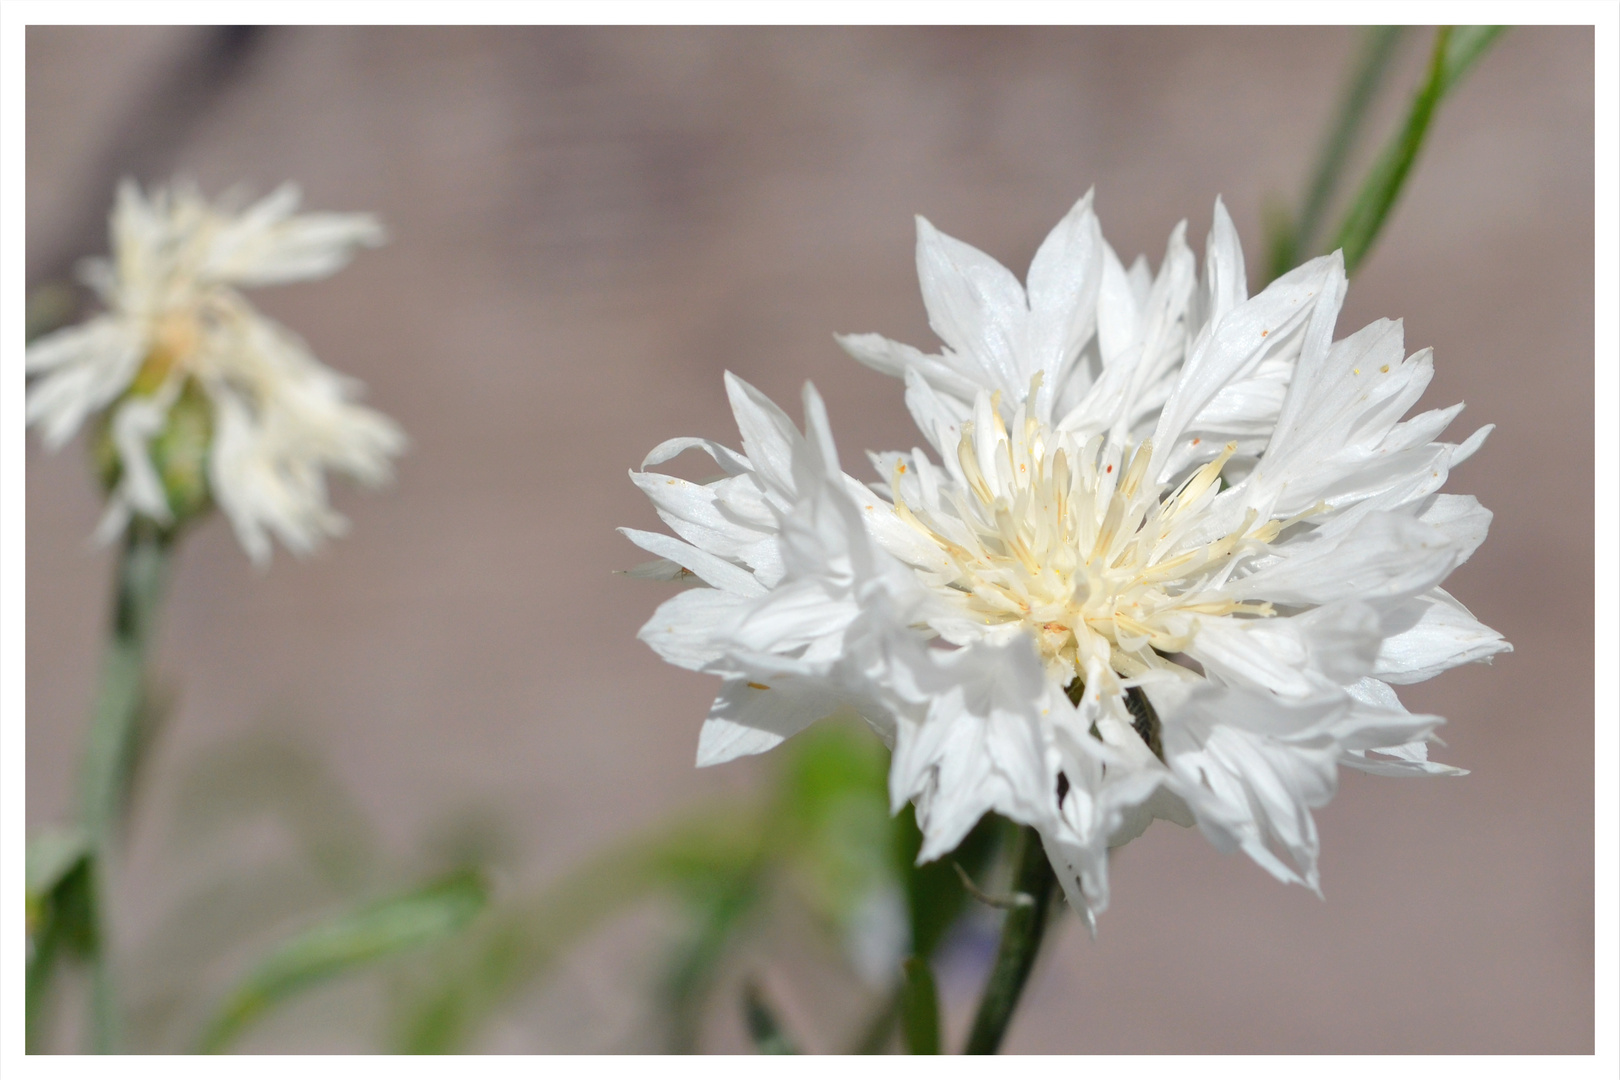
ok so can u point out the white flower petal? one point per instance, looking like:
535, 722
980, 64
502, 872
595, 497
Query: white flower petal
1461, 518
1295, 657
974, 304
697, 516
135, 424
893, 358
1118, 313
1386, 555
1429, 634
1226, 282
714, 570
769, 438
686, 628
750, 717
268, 245
1242, 339
80, 370
732, 462
1063, 283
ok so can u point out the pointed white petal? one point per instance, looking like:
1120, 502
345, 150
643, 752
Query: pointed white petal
711, 568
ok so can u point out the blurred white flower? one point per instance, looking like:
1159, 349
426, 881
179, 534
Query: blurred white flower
1175, 550
178, 342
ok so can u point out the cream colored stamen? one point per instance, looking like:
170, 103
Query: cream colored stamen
1072, 542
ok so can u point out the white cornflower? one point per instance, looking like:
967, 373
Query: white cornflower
180, 353
1175, 550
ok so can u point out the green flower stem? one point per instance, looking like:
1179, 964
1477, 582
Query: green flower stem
1456, 49
919, 1008
1383, 184
1378, 48
110, 755
1021, 935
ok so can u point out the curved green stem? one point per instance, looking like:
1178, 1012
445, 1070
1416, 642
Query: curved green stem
110, 754
1456, 50
1021, 936
1377, 197
1378, 48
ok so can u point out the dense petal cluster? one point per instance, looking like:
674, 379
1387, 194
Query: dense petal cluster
177, 329
1165, 554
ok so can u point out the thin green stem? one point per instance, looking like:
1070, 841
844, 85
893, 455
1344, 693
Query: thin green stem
110, 754
1378, 50
1379, 191
1456, 50
41, 963
919, 1008
58, 926
1021, 936
1467, 45
1379, 46
697, 962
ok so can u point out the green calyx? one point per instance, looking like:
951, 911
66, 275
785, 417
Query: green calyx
179, 453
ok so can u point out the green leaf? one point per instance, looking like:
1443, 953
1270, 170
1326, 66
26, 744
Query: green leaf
346, 944
1290, 241
691, 973
277, 775
1455, 52
698, 859
51, 856
59, 919
1467, 45
832, 826
919, 1008
935, 899
763, 1026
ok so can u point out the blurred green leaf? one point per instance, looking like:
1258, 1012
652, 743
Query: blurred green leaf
837, 843
1455, 51
348, 943
168, 971
763, 1026
277, 775
935, 899
828, 829
50, 856
59, 918
825, 826
1467, 45
934, 891
1290, 241
695, 858
691, 973
919, 1008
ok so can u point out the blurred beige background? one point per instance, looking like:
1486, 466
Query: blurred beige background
590, 225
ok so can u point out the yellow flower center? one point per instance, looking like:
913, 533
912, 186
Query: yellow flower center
1071, 543
175, 338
